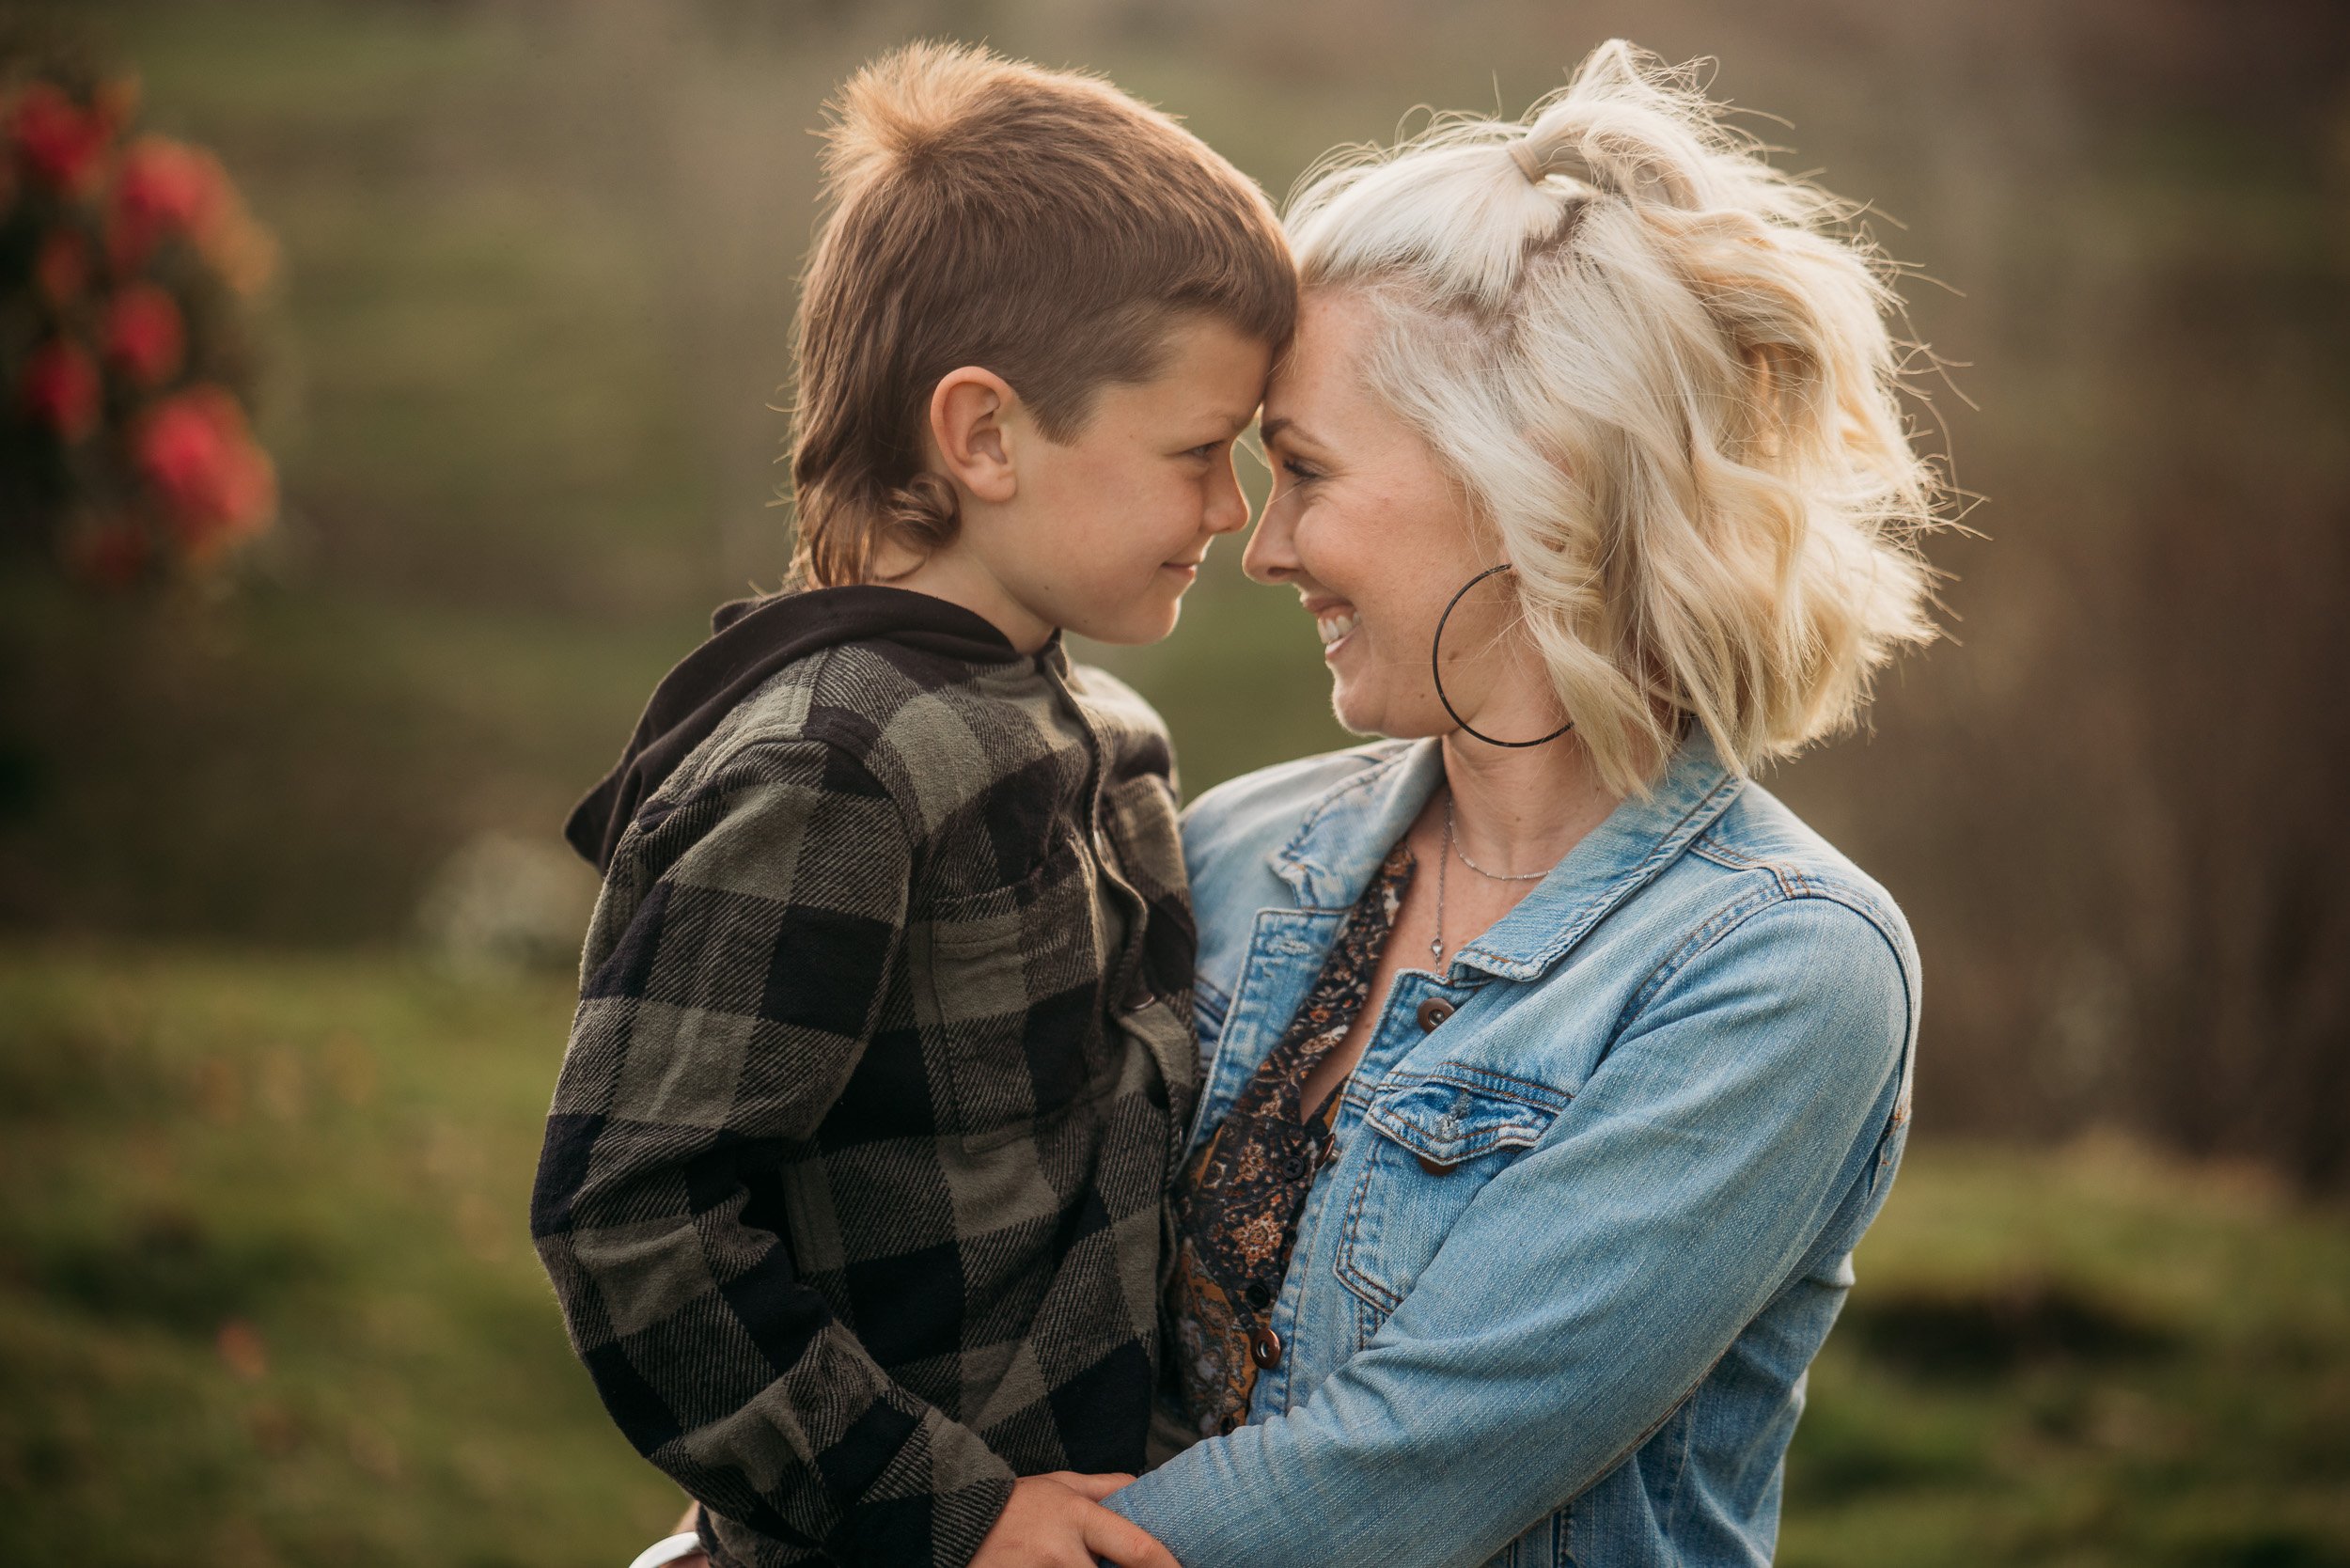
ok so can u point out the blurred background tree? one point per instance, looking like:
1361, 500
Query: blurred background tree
526, 348
126, 262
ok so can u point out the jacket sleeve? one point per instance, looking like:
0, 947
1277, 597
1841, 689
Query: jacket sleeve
1592, 1285
732, 978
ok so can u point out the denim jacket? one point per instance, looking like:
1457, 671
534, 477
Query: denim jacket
1595, 1189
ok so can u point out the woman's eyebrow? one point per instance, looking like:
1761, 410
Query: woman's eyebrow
1271, 431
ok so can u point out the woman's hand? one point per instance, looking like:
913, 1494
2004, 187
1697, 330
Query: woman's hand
1053, 1521
1057, 1521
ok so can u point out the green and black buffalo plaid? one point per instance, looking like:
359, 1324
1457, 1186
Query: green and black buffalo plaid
851, 1191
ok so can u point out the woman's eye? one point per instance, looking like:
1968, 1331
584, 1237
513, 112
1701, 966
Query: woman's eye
1298, 471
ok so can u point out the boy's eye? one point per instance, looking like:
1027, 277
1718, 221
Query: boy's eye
1205, 450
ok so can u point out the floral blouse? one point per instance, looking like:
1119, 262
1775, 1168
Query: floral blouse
1237, 1205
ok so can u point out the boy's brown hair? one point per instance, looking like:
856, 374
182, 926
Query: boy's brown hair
1041, 224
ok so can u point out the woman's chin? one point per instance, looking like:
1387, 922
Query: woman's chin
1358, 712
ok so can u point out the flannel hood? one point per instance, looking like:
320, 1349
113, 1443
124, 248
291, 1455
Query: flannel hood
750, 639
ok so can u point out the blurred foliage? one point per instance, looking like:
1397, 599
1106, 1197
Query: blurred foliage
127, 350
267, 1297
539, 261
266, 1291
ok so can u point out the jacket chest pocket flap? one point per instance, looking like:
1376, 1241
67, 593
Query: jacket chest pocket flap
1008, 988
1436, 1141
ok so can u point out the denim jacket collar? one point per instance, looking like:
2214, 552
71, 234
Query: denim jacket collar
1349, 830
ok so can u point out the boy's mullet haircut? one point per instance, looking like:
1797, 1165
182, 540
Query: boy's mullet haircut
984, 212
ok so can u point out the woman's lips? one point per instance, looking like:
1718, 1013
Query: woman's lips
1335, 624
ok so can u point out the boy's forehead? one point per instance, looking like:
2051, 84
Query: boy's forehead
1213, 372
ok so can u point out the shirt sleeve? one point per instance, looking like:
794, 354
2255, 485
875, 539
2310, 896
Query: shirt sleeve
732, 978
1592, 1285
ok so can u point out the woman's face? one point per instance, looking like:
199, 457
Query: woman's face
1376, 537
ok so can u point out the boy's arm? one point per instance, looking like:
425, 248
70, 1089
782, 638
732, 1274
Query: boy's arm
715, 1027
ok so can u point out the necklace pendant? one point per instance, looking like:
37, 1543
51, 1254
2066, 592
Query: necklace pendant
1435, 948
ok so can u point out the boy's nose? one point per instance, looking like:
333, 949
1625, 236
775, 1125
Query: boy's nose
1227, 508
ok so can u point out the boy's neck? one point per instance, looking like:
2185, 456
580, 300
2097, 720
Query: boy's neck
959, 578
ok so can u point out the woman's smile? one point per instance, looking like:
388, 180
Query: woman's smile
1336, 621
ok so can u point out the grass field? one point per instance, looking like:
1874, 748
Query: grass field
266, 1297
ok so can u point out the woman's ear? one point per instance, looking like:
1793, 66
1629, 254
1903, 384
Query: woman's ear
969, 410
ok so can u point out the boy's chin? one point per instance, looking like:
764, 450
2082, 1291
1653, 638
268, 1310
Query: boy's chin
1135, 626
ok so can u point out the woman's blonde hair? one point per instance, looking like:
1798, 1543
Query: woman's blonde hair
1662, 369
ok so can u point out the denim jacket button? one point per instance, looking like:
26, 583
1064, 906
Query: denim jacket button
1433, 1011
1434, 1165
1265, 1349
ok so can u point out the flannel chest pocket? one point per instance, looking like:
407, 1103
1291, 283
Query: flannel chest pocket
1009, 983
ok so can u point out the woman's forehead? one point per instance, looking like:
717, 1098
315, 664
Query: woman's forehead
1320, 390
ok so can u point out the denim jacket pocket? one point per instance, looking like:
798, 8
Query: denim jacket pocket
1436, 1141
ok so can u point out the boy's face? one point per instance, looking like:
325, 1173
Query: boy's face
1106, 531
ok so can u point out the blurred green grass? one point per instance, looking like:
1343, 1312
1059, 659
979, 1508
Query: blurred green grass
265, 1291
266, 1287
267, 1296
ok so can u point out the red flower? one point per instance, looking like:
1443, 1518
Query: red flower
62, 267
145, 338
61, 142
165, 189
215, 484
61, 388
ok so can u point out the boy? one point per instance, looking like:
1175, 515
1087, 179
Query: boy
851, 1192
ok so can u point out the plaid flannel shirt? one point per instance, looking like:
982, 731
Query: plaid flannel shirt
852, 1187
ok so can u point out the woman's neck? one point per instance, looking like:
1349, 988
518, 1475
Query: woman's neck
1519, 810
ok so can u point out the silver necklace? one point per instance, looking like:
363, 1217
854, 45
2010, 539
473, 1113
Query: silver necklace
1453, 844
1435, 946
1452, 847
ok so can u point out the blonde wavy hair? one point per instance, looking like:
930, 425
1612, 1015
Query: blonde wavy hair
1662, 371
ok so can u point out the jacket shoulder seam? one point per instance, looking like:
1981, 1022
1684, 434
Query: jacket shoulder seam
1737, 913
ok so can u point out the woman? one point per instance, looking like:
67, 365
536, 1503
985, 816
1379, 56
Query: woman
1556, 1068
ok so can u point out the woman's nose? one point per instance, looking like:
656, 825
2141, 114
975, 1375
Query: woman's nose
1272, 553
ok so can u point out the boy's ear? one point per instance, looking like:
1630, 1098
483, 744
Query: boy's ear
968, 415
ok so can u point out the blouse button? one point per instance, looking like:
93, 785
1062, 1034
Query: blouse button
1259, 1297
1294, 1166
1265, 1349
1228, 1425
1433, 1011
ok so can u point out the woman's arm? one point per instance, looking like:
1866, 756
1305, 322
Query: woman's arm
1592, 1285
